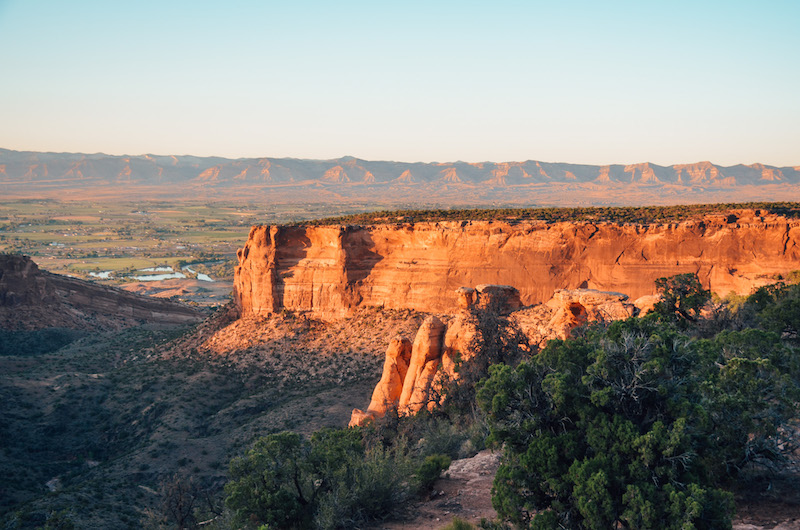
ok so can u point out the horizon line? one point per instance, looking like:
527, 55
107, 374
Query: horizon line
344, 157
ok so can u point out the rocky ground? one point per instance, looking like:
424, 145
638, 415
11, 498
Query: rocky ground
464, 491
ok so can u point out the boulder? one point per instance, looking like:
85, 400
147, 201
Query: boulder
570, 308
466, 297
358, 418
646, 304
567, 317
600, 306
502, 298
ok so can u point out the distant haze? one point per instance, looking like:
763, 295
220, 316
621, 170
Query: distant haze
579, 81
346, 180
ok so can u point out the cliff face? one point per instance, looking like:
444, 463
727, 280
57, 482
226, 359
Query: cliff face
330, 270
34, 299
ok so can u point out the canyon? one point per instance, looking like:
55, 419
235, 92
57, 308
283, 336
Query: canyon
331, 270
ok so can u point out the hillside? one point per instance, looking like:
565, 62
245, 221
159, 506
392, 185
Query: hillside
100, 429
101, 426
32, 299
80, 176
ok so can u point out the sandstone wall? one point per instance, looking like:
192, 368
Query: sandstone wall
331, 269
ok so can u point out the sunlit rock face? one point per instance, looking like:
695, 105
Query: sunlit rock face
331, 270
413, 373
386, 395
440, 347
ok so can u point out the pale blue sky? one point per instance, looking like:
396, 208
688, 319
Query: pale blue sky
559, 81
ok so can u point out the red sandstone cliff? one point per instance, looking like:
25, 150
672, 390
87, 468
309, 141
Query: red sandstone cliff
330, 270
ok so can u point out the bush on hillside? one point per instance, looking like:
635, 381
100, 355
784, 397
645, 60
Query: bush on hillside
636, 425
330, 481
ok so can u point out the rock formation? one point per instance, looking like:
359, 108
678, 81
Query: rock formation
34, 299
386, 395
647, 303
434, 356
331, 270
426, 355
569, 309
439, 348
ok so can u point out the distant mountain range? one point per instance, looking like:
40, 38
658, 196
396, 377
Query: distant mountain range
348, 179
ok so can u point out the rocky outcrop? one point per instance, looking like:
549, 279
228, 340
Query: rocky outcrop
412, 374
331, 270
34, 299
425, 358
439, 348
386, 395
569, 309
647, 303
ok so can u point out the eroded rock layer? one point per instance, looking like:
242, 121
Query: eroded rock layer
330, 270
31, 298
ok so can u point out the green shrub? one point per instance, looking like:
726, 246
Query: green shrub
272, 484
331, 481
635, 425
459, 524
682, 297
430, 470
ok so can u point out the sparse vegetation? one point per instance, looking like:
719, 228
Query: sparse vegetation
114, 416
621, 214
330, 481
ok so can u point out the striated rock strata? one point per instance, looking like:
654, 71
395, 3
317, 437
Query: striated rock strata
330, 270
34, 299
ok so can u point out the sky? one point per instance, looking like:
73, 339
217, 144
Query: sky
557, 81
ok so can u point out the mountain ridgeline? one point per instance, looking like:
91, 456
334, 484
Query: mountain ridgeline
66, 175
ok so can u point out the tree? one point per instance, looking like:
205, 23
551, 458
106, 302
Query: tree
329, 481
751, 387
605, 431
272, 484
682, 296
779, 309
497, 340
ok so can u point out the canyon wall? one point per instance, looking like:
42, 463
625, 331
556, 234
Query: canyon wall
330, 270
31, 299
